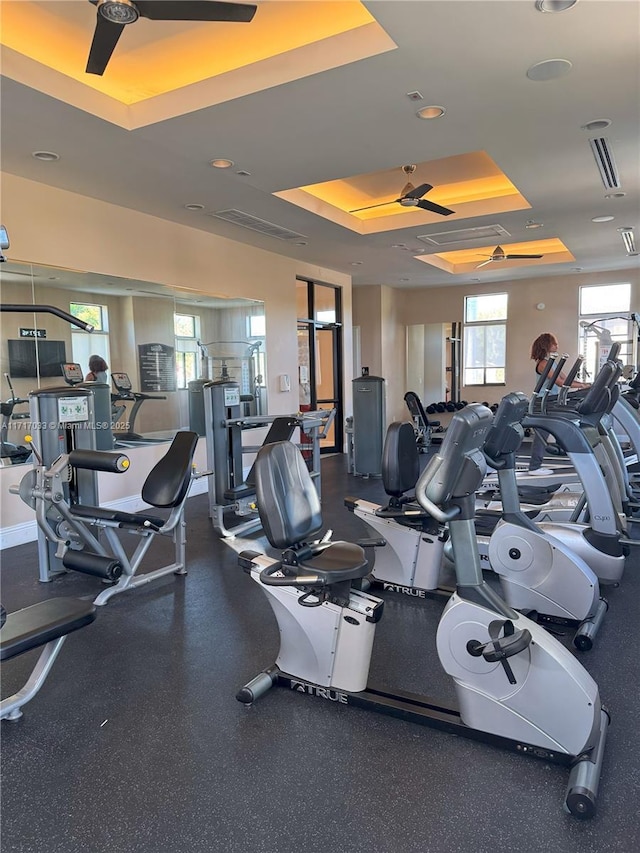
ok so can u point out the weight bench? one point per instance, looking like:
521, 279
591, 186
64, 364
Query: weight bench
166, 487
47, 624
422, 426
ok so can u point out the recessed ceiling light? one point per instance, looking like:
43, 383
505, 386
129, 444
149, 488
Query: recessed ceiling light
194, 206
603, 218
475, 279
532, 224
356, 263
301, 242
615, 195
597, 124
576, 269
555, 5
243, 172
403, 279
221, 163
549, 69
47, 156
431, 112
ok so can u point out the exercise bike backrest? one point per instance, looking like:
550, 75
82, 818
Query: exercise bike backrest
288, 503
400, 460
457, 471
506, 433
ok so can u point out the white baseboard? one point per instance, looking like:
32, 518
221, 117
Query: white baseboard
18, 534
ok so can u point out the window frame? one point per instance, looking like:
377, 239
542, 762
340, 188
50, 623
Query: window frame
186, 345
589, 345
468, 326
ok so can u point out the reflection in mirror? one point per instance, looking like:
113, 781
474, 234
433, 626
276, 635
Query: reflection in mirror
433, 363
155, 340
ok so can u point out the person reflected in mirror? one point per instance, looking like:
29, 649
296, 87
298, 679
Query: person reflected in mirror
97, 370
542, 348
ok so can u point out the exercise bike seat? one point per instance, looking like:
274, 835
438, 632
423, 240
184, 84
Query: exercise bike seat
289, 509
48, 620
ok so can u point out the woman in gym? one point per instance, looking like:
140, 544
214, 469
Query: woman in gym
97, 369
543, 346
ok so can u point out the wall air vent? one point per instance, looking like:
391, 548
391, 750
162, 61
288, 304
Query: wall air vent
465, 235
255, 224
605, 162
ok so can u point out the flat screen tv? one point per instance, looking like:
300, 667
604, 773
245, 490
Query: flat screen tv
22, 358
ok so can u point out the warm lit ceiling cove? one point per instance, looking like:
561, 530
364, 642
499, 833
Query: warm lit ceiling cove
553, 251
167, 68
470, 184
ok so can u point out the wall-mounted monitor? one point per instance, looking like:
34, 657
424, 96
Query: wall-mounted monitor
23, 363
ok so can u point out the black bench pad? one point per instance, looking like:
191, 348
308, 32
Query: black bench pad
122, 519
36, 625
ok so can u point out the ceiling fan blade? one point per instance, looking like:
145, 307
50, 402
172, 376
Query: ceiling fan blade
105, 38
434, 208
484, 263
371, 206
195, 10
516, 257
418, 192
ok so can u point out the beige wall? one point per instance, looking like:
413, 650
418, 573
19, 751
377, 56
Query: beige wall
53, 227
384, 313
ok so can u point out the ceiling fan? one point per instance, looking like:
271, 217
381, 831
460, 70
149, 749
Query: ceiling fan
499, 255
114, 15
411, 196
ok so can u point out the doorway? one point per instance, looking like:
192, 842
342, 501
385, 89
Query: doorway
320, 355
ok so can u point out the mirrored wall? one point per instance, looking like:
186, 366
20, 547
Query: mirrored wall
156, 339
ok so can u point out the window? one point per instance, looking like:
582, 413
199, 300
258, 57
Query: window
600, 329
485, 339
83, 346
187, 332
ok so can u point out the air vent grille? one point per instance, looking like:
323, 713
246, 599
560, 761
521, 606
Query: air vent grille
464, 235
605, 162
246, 220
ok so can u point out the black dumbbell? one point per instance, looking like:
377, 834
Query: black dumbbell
441, 407
494, 407
450, 407
460, 405
431, 409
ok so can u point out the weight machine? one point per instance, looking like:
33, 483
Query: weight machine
230, 492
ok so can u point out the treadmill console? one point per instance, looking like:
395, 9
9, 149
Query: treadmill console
72, 373
122, 382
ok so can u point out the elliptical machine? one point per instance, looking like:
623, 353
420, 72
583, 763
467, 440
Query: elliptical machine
517, 686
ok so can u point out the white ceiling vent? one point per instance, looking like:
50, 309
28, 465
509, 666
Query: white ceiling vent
255, 224
464, 235
605, 162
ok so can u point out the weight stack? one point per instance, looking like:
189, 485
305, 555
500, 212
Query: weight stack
369, 422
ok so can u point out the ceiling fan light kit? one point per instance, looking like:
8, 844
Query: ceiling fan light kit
118, 11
